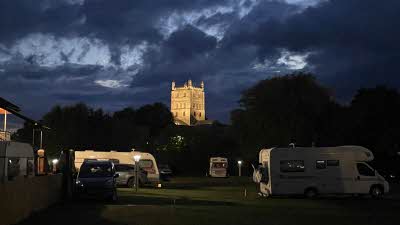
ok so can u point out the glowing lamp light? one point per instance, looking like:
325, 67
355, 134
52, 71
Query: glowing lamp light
54, 161
137, 158
240, 162
40, 152
3, 111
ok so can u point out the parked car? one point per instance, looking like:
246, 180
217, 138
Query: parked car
165, 171
98, 179
127, 175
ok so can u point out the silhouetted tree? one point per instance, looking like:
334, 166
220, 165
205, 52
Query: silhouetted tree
281, 110
80, 127
374, 113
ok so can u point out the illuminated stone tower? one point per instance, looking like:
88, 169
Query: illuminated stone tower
188, 103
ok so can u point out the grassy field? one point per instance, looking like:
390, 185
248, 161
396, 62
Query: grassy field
218, 201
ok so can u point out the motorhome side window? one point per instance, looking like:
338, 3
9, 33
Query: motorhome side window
332, 162
320, 164
364, 170
288, 166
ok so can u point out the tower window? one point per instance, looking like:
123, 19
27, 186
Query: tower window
194, 114
183, 113
199, 114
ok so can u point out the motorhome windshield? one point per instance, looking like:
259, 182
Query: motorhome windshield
95, 170
219, 165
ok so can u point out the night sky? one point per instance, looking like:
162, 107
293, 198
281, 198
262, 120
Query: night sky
118, 53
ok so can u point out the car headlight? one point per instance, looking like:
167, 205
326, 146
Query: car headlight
78, 183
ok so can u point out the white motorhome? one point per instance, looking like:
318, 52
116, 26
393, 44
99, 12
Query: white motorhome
147, 161
16, 159
311, 171
218, 167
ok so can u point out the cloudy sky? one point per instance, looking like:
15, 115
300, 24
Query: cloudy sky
118, 53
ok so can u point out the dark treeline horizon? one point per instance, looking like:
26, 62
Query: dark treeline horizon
273, 113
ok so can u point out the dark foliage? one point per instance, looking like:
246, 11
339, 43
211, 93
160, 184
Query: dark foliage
274, 112
296, 109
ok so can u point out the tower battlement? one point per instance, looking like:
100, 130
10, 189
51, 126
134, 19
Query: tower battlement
188, 103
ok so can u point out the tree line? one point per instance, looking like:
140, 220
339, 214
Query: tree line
297, 109
273, 113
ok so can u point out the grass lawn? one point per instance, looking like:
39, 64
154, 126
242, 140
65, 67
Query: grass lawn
218, 201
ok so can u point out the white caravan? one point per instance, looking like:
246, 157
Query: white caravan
218, 167
311, 171
147, 161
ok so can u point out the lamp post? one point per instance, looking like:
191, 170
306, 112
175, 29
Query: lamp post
40, 162
240, 167
55, 161
137, 159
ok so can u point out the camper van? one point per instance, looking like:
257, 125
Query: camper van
16, 159
218, 167
147, 161
312, 171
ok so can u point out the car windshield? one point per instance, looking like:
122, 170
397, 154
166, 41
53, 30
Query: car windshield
95, 170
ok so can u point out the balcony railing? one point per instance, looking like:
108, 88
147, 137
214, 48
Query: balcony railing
5, 136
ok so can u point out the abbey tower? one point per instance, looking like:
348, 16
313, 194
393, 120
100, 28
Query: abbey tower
188, 104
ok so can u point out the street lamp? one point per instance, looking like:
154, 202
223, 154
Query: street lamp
240, 167
137, 159
55, 161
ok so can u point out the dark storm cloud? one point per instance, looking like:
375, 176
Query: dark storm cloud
21, 17
230, 48
355, 40
123, 21
189, 42
190, 53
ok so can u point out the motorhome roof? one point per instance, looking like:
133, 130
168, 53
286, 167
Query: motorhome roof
345, 148
357, 152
